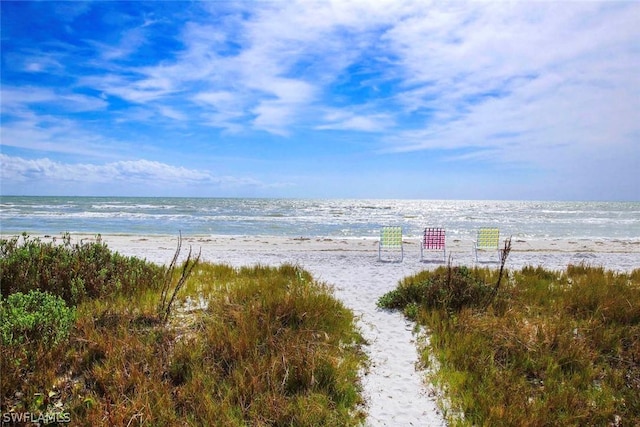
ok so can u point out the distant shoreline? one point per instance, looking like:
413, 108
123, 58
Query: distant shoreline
313, 218
614, 254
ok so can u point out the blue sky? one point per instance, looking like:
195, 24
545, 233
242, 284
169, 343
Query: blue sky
384, 99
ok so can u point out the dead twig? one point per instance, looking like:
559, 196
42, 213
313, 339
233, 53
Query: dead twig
189, 264
504, 254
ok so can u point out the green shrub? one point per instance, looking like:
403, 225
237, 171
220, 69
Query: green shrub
553, 347
34, 317
72, 271
449, 288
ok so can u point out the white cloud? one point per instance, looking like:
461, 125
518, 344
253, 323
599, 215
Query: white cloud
121, 173
130, 41
16, 99
517, 78
345, 120
276, 115
54, 135
293, 51
69, 11
275, 64
41, 63
216, 99
140, 91
172, 113
224, 109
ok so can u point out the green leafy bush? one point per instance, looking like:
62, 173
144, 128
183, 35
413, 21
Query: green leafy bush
72, 271
34, 317
450, 288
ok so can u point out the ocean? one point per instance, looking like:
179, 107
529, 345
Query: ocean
315, 218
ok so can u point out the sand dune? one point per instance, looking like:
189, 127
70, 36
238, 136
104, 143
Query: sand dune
395, 391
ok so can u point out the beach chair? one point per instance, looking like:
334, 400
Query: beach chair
433, 239
487, 239
390, 238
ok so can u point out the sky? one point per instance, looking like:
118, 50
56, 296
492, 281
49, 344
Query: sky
322, 99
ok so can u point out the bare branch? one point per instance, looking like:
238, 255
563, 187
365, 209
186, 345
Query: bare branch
164, 308
503, 260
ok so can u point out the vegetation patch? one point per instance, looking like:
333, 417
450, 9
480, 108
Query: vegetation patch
73, 271
201, 344
544, 348
37, 317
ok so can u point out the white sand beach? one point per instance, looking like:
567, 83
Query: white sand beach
395, 391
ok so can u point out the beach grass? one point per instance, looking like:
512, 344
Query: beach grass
249, 346
550, 348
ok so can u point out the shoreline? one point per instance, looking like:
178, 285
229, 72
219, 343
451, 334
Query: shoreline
456, 244
555, 254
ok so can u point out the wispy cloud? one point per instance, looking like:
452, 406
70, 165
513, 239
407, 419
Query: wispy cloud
528, 85
69, 11
17, 99
346, 120
172, 113
527, 80
130, 41
53, 135
135, 172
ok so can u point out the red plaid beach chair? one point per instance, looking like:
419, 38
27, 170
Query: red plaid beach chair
433, 239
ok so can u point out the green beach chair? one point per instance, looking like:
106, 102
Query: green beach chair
487, 239
390, 238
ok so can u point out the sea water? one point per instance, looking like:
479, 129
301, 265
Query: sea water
316, 218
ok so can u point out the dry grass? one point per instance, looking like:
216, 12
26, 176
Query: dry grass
263, 346
555, 348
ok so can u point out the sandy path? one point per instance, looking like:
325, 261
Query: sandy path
395, 392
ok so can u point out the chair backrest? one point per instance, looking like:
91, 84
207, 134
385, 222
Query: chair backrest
488, 238
433, 238
391, 237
